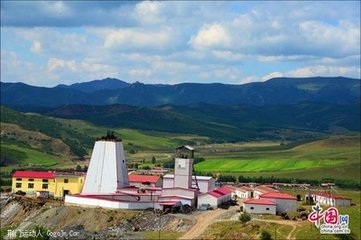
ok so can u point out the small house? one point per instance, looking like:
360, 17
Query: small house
284, 202
259, 206
215, 198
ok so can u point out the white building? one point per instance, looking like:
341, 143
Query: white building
331, 199
205, 183
284, 202
259, 190
215, 198
241, 192
259, 206
107, 170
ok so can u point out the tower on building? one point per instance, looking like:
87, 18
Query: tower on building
107, 170
183, 167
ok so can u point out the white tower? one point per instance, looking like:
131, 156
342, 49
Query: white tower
183, 167
107, 168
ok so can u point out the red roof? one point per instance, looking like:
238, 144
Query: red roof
265, 189
219, 192
260, 202
334, 196
278, 195
34, 174
142, 178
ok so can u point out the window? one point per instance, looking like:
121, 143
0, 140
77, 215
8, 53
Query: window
252, 208
18, 185
66, 180
31, 179
19, 179
45, 186
45, 180
30, 185
267, 209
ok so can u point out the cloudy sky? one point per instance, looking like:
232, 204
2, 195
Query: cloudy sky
48, 43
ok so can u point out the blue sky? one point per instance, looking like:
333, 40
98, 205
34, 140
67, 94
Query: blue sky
53, 42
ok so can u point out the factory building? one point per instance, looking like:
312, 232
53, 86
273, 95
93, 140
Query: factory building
108, 184
45, 184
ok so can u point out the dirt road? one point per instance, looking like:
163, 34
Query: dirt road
203, 220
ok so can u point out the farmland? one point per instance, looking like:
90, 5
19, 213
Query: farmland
336, 157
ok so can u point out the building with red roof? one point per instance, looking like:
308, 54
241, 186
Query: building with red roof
284, 202
330, 199
259, 190
34, 174
41, 183
259, 206
215, 198
139, 180
241, 192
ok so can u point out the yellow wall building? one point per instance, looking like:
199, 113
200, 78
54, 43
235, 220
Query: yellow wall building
57, 184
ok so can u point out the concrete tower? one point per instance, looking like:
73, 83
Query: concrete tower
183, 167
108, 168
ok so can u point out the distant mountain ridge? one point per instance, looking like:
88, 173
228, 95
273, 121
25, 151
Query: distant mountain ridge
96, 85
338, 90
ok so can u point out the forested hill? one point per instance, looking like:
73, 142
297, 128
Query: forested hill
337, 90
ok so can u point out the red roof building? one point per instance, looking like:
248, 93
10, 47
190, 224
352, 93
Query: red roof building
145, 180
260, 202
215, 198
284, 202
329, 199
328, 195
34, 174
260, 206
278, 195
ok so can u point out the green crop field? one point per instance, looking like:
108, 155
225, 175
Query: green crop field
336, 157
262, 165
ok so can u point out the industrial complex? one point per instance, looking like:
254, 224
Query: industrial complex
108, 184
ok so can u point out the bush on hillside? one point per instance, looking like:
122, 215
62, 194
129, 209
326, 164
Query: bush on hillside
245, 217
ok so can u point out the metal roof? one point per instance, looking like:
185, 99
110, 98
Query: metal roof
278, 195
33, 174
143, 178
259, 201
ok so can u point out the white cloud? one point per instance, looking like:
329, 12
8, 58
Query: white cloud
320, 70
148, 12
137, 38
140, 73
36, 47
55, 64
209, 36
248, 79
271, 75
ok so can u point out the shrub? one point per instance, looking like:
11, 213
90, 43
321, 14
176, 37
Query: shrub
245, 217
266, 235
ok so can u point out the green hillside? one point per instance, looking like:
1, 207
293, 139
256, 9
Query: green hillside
335, 157
47, 126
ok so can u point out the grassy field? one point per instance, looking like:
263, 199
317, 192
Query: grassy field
30, 157
354, 213
336, 157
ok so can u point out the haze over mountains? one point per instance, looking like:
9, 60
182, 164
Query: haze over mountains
338, 90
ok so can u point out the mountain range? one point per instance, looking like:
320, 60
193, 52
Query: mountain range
277, 91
